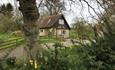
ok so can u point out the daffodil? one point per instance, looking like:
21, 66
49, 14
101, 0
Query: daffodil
35, 64
31, 62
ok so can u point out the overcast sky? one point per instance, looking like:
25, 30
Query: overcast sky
72, 11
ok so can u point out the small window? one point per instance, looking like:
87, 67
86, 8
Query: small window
61, 21
41, 30
64, 32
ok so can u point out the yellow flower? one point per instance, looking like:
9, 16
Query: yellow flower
31, 62
35, 64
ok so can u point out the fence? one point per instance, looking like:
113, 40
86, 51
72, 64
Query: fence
11, 43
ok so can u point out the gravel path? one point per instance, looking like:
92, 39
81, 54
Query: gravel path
19, 51
5, 52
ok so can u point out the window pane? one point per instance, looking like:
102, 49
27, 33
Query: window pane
61, 21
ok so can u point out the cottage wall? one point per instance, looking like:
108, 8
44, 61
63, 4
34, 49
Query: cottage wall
43, 32
64, 33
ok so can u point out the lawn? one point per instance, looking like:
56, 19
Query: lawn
49, 39
7, 36
8, 40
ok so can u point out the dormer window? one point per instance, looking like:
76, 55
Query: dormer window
61, 21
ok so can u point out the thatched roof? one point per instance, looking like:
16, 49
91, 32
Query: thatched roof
50, 21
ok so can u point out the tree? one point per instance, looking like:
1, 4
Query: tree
82, 29
30, 28
53, 7
6, 16
102, 50
6, 10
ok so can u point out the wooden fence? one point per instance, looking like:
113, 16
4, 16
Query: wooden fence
11, 43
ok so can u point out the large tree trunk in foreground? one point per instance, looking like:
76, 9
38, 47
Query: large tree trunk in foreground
30, 16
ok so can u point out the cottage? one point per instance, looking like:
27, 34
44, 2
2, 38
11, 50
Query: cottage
55, 25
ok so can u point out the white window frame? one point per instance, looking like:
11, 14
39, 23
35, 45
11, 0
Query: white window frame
61, 21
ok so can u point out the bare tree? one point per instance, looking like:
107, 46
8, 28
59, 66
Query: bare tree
53, 6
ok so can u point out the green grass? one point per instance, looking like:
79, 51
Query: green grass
49, 39
8, 40
7, 36
73, 34
15, 44
86, 35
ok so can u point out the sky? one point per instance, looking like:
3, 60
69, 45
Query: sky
73, 11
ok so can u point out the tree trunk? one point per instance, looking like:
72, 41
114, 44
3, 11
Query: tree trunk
29, 28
